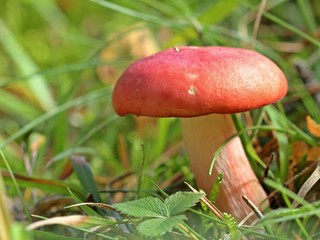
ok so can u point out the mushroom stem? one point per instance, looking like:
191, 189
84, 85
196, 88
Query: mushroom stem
202, 137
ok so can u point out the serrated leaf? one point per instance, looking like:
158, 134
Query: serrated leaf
144, 207
159, 226
181, 201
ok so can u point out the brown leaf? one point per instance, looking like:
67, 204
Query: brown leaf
313, 126
52, 206
67, 171
313, 154
299, 150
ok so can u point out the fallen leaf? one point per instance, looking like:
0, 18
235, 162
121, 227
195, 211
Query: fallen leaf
52, 205
299, 150
313, 126
313, 154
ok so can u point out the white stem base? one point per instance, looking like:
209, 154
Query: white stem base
202, 137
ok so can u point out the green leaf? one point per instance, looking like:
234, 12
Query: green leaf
159, 226
144, 207
85, 208
85, 176
181, 201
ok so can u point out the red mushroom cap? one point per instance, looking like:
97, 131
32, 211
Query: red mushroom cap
195, 81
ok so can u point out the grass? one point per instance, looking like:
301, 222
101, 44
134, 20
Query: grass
62, 144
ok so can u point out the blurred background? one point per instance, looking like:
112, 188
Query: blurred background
59, 60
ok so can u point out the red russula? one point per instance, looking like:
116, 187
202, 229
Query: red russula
202, 86
196, 81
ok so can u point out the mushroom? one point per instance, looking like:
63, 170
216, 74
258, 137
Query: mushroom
203, 86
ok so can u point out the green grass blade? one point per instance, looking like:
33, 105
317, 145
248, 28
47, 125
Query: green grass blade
51, 13
279, 187
285, 24
218, 11
51, 236
88, 210
90, 97
18, 231
12, 105
46, 185
292, 28
37, 84
67, 68
283, 215
161, 137
133, 13
248, 148
12, 177
282, 139
307, 14
160, 6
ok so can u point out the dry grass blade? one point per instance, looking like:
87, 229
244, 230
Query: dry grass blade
257, 22
257, 212
206, 201
92, 204
74, 220
254, 208
311, 181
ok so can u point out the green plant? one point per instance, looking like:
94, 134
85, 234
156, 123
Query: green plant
55, 105
159, 217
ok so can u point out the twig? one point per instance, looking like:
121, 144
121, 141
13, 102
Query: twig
253, 207
256, 210
273, 157
206, 201
257, 22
